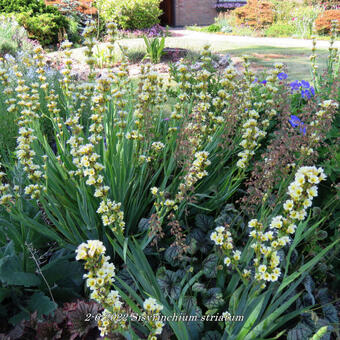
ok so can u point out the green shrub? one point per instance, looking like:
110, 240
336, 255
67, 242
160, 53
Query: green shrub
9, 6
280, 29
34, 6
43, 23
130, 14
47, 28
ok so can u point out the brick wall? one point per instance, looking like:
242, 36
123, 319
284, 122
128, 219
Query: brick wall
191, 12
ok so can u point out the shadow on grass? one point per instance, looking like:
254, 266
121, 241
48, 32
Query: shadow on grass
296, 59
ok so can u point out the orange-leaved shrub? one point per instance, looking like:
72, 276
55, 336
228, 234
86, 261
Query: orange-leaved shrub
323, 22
256, 14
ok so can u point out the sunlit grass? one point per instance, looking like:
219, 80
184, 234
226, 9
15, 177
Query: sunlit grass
262, 57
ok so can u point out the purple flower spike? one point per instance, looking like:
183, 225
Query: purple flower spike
282, 76
312, 90
166, 119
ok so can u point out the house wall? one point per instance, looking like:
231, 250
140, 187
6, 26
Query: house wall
191, 12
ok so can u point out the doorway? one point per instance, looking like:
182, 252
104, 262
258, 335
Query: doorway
167, 18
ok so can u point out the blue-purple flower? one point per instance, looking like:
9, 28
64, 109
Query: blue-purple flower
295, 85
307, 91
305, 94
264, 82
305, 84
296, 122
282, 76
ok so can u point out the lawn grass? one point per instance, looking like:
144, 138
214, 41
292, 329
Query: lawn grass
296, 59
262, 57
250, 32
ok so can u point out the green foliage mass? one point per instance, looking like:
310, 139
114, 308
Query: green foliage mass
43, 23
214, 28
280, 29
9, 6
131, 14
45, 27
154, 49
36, 6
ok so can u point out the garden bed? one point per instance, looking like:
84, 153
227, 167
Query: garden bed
194, 197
